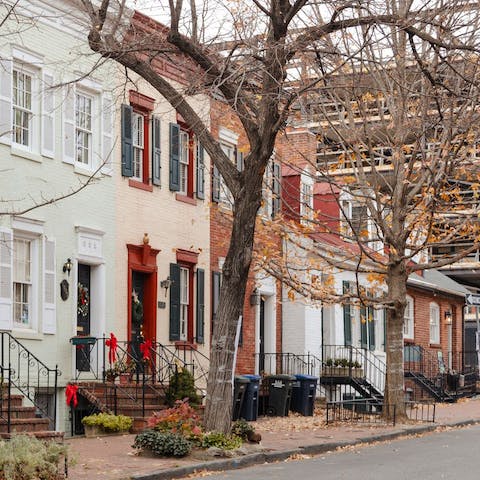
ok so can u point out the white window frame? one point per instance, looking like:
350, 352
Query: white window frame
84, 129
33, 112
409, 319
138, 142
229, 150
434, 323
34, 241
306, 202
184, 301
184, 161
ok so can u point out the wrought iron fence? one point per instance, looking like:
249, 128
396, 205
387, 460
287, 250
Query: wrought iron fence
365, 410
28, 375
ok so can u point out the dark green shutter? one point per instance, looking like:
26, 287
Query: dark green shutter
347, 317
216, 281
200, 327
174, 157
174, 302
156, 153
127, 141
216, 182
276, 189
371, 328
240, 336
200, 171
363, 326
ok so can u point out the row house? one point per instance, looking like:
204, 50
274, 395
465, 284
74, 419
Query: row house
261, 330
58, 228
434, 317
105, 229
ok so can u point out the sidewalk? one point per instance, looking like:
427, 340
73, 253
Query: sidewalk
112, 458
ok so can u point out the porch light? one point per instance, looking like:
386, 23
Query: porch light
166, 284
255, 298
448, 317
67, 266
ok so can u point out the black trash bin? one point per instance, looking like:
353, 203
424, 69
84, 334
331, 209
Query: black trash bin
239, 388
303, 394
249, 409
279, 394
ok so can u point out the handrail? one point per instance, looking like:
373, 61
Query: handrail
29, 375
290, 363
370, 366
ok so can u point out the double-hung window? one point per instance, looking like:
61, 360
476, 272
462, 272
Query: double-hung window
83, 129
138, 145
184, 162
306, 202
22, 108
22, 282
408, 319
434, 323
184, 301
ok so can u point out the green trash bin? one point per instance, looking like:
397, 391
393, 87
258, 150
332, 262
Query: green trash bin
279, 394
239, 388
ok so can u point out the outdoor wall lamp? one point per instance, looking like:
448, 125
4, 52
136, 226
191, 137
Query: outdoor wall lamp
448, 317
67, 266
166, 284
255, 298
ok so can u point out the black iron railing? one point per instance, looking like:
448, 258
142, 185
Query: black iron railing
356, 362
288, 363
365, 410
28, 375
148, 366
5, 396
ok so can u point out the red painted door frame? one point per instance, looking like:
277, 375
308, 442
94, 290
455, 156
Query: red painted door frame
143, 258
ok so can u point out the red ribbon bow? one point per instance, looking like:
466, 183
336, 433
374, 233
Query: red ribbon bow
112, 343
71, 394
145, 349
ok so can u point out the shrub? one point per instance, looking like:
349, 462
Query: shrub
27, 458
181, 386
220, 440
164, 444
241, 428
108, 422
181, 419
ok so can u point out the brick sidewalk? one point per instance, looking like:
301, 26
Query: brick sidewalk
112, 458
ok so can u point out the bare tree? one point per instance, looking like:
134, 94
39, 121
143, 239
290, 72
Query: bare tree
252, 74
397, 129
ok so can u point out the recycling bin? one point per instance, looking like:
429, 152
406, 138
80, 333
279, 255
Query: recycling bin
303, 394
239, 388
249, 410
279, 394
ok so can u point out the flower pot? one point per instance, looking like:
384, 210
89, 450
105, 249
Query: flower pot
125, 378
92, 431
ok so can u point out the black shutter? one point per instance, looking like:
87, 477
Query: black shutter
174, 157
156, 156
174, 302
240, 336
216, 184
216, 281
200, 327
276, 189
127, 141
347, 317
200, 171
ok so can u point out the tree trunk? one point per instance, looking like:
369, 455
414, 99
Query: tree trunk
394, 402
218, 412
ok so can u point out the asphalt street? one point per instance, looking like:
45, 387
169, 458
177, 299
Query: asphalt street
453, 454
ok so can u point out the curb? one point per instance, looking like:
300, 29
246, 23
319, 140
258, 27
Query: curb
271, 457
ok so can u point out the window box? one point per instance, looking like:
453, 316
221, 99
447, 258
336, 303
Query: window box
83, 340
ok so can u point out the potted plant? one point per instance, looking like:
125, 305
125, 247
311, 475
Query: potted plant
125, 370
342, 367
106, 424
